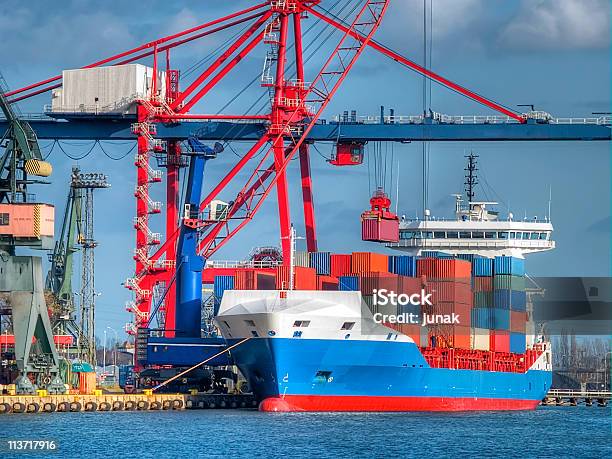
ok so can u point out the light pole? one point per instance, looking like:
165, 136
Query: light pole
104, 355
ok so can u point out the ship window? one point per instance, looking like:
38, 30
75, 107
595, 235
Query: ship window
301, 323
490, 235
477, 235
249, 322
4, 219
452, 234
297, 334
347, 326
408, 234
347, 336
389, 336
512, 235
465, 235
271, 333
526, 235
427, 234
543, 236
439, 235
502, 235
535, 235
254, 334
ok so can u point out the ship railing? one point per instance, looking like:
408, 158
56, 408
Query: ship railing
474, 243
464, 119
579, 393
242, 264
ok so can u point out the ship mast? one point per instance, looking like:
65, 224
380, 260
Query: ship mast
471, 179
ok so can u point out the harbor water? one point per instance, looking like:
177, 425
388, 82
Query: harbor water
547, 432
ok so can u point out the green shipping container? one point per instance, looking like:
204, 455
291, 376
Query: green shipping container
483, 299
506, 282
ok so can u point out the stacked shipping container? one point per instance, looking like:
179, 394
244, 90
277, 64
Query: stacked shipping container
487, 295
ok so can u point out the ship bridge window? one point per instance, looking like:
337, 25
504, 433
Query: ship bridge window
428, 234
502, 235
490, 234
535, 235
301, 323
543, 236
439, 235
512, 235
347, 326
249, 323
407, 234
452, 234
465, 235
477, 235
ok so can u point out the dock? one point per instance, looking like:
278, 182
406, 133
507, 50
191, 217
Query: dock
569, 397
122, 402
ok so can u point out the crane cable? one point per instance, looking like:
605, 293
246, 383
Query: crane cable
218, 354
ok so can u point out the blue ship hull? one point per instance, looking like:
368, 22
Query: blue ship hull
336, 375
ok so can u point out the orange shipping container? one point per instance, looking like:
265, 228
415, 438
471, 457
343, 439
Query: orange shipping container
367, 262
409, 285
369, 282
445, 269
303, 278
87, 383
327, 283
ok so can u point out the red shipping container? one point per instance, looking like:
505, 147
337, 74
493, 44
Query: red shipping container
369, 282
367, 262
244, 279
340, 265
518, 321
483, 284
409, 285
327, 283
380, 230
499, 340
303, 278
450, 291
251, 279
445, 269
447, 336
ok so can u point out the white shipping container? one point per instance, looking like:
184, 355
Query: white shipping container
480, 339
111, 89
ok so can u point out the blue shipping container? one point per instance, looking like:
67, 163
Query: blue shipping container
518, 343
482, 318
502, 298
518, 300
348, 283
509, 265
482, 267
222, 283
501, 319
435, 254
404, 265
321, 262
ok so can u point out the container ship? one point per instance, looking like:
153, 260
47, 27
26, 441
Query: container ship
445, 326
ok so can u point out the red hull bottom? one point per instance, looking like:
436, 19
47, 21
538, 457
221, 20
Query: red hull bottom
291, 403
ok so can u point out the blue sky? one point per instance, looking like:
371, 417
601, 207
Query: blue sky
551, 53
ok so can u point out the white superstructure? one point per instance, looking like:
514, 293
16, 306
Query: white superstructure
475, 230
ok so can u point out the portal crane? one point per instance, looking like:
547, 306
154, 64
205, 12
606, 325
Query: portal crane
21, 282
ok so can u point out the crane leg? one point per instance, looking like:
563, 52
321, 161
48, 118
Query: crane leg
309, 215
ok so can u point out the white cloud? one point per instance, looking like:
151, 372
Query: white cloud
559, 24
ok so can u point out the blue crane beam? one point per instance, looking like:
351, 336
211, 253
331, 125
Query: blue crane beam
119, 129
